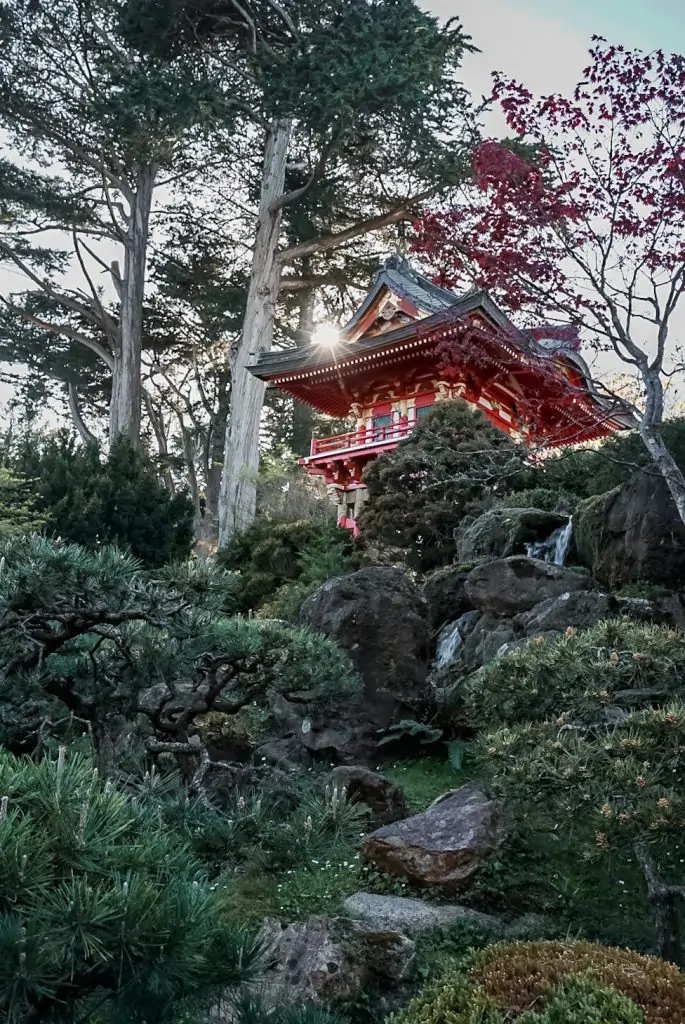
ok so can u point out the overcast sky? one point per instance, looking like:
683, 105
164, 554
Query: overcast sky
544, 42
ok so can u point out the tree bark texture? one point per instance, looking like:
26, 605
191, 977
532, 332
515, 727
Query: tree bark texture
124, 414
86, 435
238, 497
650, 432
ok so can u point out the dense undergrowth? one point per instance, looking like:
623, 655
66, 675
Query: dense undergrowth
114, 675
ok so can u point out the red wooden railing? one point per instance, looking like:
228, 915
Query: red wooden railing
367, 437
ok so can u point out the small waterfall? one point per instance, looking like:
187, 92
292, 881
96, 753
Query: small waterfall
554, 548
449, 642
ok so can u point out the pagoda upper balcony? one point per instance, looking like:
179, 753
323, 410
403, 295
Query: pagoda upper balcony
375, 438
342, 458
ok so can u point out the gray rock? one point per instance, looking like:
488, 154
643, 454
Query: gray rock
510, 586
443, 846
446, 597
501, 532
379, 617
382, 796
487, 639
580, 609
397, 913
632, 533
322, 960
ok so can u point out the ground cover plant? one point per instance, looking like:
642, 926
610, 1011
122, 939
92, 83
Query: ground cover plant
552, 983
584, 735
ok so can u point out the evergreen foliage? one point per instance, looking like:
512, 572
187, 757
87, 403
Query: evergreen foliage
585, 472
18, 507
448, 467
551, 983
89, 641
586, 733
88, 500
281, 563
106, 916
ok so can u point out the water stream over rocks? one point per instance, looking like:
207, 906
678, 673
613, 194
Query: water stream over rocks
554, 548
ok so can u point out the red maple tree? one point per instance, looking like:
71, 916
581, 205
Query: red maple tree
582, 220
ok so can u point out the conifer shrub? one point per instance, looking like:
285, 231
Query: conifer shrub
18, 506
452, 465
92, 643
552, 983
105, 914
579, 675
92, 500
586, 734
281, 563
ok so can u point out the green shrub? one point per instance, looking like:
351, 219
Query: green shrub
18, 506
280, 563
584, 472
104, 913
88, 500
90, 642
453, 464
552, 983
587, 734
579, 675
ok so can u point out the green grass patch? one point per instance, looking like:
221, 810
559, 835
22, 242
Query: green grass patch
425, 779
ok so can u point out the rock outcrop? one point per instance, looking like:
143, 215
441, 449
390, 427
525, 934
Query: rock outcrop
501, 532
397, 913
444, 845
412, 917
632, 533
379, 617
324, 960
385, 800
445, 594
509, 586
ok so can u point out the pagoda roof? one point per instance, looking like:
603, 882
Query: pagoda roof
398, 323
396, 277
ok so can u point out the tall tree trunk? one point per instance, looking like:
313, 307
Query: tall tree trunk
124, 414
215, 453
238, 498
86, 435
650, 432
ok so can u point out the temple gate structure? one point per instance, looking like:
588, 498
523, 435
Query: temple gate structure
385, 370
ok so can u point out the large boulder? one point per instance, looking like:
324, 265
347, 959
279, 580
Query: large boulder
397, 913
444, 845
446, 597
379, 617
324, 960
580, 609
632, 533
385, 800
501, 532
509, 586
412, 917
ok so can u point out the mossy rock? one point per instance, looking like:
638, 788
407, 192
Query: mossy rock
632, 533
501, 532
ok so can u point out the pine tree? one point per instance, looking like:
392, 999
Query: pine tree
92, 645
87, 499
106, 916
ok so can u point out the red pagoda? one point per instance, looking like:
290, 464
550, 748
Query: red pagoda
384, 368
